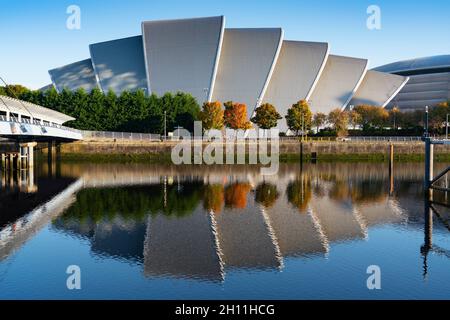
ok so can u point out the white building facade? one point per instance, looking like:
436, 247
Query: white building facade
213, 63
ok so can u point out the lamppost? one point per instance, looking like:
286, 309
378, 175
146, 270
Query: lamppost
303, 125
446, 127
165, 124
206, 91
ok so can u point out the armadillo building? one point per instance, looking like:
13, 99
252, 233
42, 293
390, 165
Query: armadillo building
202, 57
429, 82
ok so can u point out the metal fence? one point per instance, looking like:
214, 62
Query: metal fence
382, 139
131, 136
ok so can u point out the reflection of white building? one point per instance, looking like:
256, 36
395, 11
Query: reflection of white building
202, 57
245, 238
182, 247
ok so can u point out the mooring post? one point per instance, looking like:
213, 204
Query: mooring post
429, 155
391, 169
301, 151
428, 233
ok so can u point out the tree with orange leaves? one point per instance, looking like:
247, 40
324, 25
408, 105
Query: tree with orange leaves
235, 116
236, 195
213, 198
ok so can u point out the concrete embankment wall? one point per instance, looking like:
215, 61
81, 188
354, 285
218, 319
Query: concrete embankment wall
288, 148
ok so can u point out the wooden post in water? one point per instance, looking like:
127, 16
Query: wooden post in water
429, 155
3, 167
391, 169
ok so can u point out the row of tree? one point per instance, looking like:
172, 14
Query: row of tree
363, 119
131, 111
135, 111
373, 120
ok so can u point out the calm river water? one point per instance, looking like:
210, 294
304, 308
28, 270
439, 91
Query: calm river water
141, 231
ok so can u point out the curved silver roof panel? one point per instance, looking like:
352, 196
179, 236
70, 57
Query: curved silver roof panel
119, 64
181, 55
247, 60
434, 62
74, 76
338, 83
296, 74
378, 89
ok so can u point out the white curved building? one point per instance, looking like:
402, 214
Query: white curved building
182, 55
338, 83
74, 76
247, 60
429, 82
297, 72
119, 64
199, 56
378, 89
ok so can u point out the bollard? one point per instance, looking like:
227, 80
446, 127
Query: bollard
429, 155
391, 169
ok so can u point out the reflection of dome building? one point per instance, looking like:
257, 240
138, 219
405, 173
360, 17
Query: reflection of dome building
202, 57
429, 82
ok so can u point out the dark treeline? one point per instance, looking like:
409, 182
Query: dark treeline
131, 111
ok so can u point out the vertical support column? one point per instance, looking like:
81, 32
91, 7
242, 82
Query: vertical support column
391, 169
51, 160
31, 154
27, 154
15, 161
58, 150
428, 233
23, 157
11, 162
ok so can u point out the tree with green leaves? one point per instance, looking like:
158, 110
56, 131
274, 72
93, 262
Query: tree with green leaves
211, 115
354, 118
339, 121
299, 117
266, 116
319, 119
371, 116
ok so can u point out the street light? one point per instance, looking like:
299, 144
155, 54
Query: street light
206, 91
165, 124
426, 122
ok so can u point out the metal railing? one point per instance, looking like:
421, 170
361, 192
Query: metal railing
130, 136
383, 139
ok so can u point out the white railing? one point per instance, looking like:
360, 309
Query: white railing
384, 139
130, 136
36, 128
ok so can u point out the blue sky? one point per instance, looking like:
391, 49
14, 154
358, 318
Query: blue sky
35, 38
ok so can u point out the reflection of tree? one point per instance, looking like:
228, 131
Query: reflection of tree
236, 195
266, 194
213, 198
134, 203
181, 200
299, 193
340, 191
